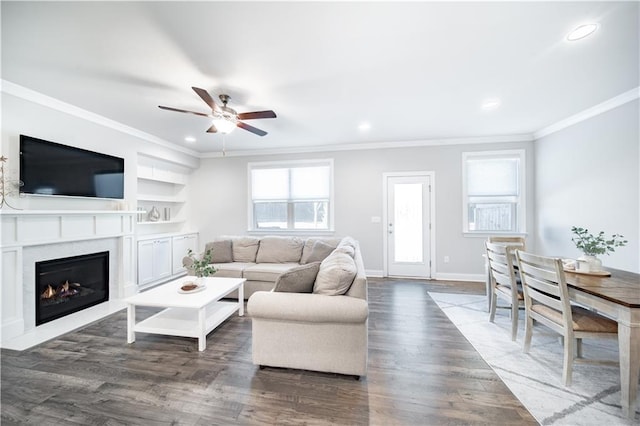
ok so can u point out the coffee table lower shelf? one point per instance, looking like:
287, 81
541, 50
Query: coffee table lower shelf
185, 322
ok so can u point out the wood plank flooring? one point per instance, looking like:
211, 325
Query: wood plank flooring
422, 371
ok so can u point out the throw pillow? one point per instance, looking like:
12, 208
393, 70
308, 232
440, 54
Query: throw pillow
298, 280
308, 246
348, 241
319, 252
336, 274
347, 250
221, 251
245, 249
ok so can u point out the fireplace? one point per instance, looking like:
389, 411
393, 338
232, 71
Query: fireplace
68, 285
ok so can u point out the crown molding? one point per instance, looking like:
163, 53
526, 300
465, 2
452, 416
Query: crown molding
588, 113
374, 145
47, 101
41, 99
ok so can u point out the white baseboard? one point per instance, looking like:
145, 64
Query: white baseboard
459, 277
377, 273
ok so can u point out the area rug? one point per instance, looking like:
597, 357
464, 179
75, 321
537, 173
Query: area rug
536, 378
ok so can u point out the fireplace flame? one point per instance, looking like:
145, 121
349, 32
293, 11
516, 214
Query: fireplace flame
48, 293
66, 289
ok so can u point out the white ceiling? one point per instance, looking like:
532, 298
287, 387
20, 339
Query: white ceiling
415, 71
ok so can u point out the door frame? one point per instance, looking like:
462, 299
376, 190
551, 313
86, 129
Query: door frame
432, 215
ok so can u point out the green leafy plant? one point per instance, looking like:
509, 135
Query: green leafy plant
201, 267
593, 245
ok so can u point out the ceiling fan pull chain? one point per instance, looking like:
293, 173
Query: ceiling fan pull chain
224, 139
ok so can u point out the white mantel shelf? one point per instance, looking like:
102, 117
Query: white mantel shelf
7, 212
36, 227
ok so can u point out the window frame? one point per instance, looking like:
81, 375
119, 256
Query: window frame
289, 164
520, 203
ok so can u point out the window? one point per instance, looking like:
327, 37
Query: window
493, 192
291, 195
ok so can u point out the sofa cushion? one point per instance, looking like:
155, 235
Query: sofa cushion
267, 271
298, 280
308, 247
319, 252
335, 275
245, 249
221, 251
231, 270
280, 250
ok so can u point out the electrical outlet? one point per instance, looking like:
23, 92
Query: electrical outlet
446, 259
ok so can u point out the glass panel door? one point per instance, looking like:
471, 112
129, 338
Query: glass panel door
408, 233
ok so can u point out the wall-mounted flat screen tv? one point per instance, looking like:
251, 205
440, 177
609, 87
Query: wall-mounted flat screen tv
49, 168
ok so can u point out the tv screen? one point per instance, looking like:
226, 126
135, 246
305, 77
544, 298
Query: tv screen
49, 168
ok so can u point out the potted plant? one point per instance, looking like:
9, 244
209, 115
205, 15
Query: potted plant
592, 246
200, 267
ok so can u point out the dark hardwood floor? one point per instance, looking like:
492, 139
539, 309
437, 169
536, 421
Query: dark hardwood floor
422, 371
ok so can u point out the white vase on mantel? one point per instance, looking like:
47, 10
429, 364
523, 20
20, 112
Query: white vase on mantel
588, 263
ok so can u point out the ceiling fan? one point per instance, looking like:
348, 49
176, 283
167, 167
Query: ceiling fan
225, 119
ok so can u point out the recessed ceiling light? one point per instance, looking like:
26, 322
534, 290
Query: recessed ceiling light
492, 103
190, 139
582, 31
364, 127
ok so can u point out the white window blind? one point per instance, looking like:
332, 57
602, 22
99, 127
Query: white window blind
493, 192
291, 195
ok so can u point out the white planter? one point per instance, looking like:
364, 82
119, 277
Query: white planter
588, 263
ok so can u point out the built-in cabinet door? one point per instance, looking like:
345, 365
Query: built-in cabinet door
154, 260
162, 258
145, 262
181, 245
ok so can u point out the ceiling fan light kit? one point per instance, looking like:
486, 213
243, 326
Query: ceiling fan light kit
224, 118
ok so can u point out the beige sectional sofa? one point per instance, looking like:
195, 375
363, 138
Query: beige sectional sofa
323, 328
261, 260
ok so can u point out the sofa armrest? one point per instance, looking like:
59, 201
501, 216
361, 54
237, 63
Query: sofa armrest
307, 307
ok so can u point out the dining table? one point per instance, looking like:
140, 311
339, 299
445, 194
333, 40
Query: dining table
618, 297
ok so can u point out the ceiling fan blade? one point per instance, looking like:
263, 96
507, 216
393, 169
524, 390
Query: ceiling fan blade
256, 114
206, 97
212, 129
251, 129
183, 110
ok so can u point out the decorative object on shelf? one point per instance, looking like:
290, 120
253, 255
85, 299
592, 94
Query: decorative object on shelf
593, 245
167, 214
154, 214
7, 187
142, 214
201, 267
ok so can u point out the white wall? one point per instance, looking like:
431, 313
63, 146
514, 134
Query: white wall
20, 116
588, 175
218, 198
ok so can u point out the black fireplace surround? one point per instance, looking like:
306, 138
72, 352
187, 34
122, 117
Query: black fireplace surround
68, 285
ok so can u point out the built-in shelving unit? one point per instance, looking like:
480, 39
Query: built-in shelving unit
161, 184
162, 243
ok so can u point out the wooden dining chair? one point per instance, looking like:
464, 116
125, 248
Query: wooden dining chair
517, 242
504, 285
546, 300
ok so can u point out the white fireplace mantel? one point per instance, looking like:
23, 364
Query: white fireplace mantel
60, 233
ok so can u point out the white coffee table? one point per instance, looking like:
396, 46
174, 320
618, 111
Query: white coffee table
187, 315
